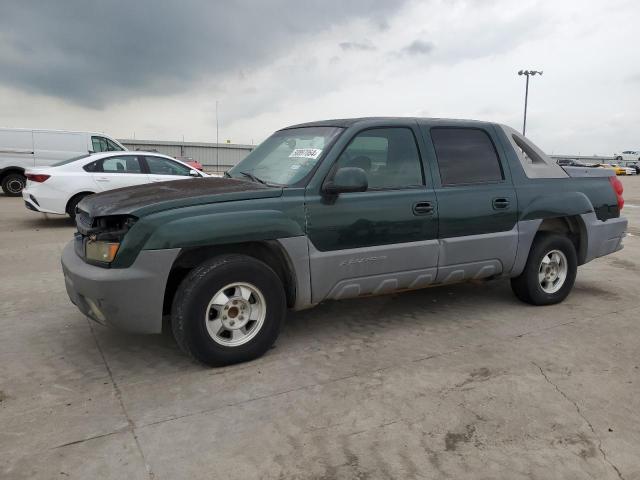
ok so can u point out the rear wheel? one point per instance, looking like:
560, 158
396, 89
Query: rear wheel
550, 271
228, 309
13, 183
73, 203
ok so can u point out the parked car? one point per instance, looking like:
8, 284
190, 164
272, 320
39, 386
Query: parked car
617, 168
570, 162
634, 165
21, 149
336, 209
623, 170
627, 155
190, 161
59, 188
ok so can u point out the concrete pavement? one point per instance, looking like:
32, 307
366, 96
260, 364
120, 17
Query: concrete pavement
453, 382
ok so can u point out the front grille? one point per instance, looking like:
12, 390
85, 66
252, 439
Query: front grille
78, 245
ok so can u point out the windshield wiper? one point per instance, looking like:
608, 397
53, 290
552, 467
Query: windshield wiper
254, 178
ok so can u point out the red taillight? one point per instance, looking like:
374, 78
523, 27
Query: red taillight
37, 177
618, 189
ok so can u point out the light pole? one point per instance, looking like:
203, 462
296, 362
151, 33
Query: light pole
217, 139
526, 94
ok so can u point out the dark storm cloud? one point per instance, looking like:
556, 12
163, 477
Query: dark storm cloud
357, 46
96, 53
418, 47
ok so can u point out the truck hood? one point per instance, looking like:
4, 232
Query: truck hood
154, 197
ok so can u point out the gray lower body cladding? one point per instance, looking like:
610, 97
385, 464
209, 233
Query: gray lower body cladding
129, 299
386, 268
603, 238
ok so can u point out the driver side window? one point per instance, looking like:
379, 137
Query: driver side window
99, 144
388, 156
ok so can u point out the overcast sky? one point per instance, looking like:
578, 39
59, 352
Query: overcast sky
154, 70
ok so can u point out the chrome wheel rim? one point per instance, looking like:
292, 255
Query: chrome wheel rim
553, 271
235, 314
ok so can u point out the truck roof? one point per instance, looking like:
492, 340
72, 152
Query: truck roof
349, 122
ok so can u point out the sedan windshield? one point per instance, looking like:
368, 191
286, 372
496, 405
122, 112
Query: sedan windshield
287, 156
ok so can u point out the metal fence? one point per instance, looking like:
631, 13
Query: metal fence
219, 157
213, 156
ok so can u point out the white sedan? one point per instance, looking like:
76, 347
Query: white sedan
58, 188
627, 155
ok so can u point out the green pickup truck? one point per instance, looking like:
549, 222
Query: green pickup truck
337, 209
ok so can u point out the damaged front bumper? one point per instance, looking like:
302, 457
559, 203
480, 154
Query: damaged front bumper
129, 299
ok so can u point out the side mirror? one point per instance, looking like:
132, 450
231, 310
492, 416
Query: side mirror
194, 173
346, 180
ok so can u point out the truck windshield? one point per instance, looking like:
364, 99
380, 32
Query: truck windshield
287, 156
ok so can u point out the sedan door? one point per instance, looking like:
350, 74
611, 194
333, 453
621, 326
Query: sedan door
162, 169
117, 172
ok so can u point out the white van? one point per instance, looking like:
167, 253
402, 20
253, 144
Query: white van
22, 148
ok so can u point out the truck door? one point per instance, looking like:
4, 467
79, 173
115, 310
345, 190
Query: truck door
382, 239
477, 203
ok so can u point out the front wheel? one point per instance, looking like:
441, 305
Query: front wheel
228, 309
550, 271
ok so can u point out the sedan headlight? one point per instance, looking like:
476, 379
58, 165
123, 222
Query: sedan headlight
100, 251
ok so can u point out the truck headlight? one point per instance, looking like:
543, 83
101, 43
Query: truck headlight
100, 251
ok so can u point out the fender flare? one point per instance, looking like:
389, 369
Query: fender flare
557, 205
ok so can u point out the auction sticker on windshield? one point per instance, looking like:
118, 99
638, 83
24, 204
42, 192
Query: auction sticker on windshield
312, 153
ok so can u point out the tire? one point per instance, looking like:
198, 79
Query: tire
73, 203
528, 286
198, 310
13, 183
618, 159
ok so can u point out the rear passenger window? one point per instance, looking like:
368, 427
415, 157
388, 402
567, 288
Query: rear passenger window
389, 157
93, 166
125, 164
465, 155
128, 164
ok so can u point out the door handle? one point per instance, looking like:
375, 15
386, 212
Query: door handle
423, 208
102, 179
500, 203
